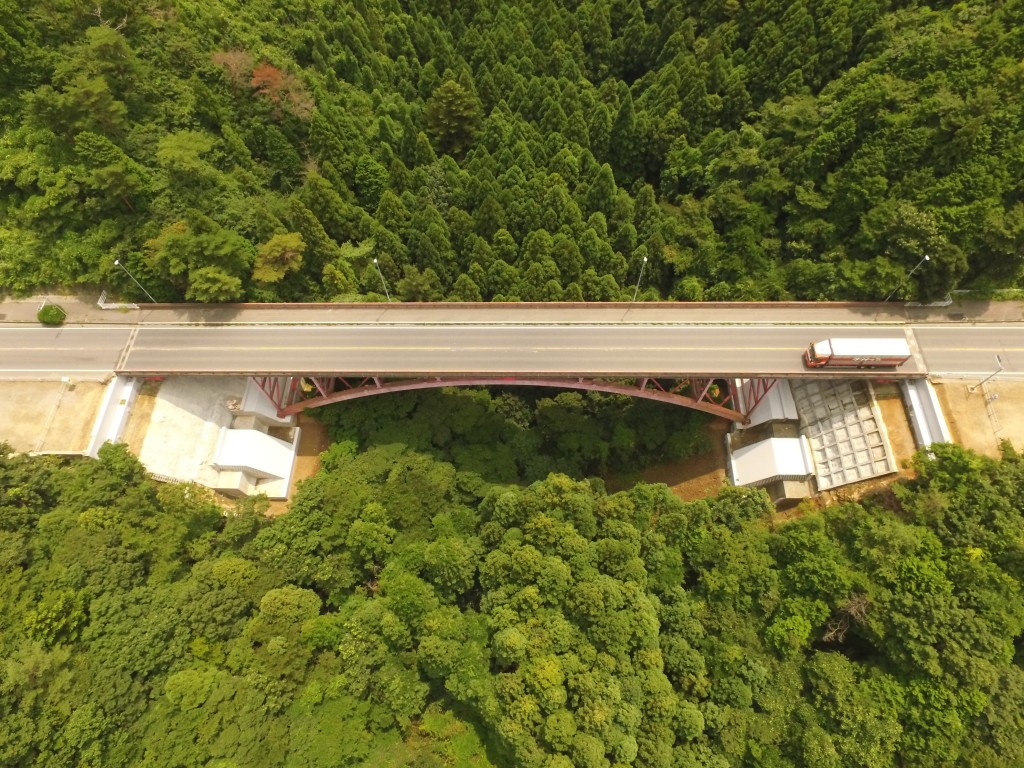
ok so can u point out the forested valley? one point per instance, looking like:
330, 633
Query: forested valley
457, 586
408, 611
529, 150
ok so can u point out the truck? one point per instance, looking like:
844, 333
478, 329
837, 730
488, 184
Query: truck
857, 353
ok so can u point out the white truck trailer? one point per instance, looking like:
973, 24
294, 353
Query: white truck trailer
857, 353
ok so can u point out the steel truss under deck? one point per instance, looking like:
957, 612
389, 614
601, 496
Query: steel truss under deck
732, 399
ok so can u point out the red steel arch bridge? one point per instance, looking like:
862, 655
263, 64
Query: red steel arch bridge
732, 399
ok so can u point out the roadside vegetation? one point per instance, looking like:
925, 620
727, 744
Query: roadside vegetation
498, 150
51, 314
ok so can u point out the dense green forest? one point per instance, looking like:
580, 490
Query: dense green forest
529, 150
451, 588
406, 612
522, 435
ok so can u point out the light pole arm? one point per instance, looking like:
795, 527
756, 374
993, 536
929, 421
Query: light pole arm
641, 277
118, 263
909, 275
382, 280
997, 371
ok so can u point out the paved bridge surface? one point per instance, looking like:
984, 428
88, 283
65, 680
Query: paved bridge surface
496, 340
342, 351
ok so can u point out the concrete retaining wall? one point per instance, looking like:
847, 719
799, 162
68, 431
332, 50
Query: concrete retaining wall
113, 413
925, 413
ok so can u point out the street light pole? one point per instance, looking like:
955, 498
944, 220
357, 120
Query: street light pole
117, 263
641, 277
998, 370
910, 274
382, 280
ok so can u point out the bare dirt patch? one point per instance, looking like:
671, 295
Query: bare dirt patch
49, 416
698, 476
313, 441
982, 419
138, 419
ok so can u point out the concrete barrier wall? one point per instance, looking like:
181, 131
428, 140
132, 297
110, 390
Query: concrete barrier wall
925, 413
113, 413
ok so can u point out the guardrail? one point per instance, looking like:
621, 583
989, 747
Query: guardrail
102, 303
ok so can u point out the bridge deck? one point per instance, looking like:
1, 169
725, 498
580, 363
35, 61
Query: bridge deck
596, 340
485, 350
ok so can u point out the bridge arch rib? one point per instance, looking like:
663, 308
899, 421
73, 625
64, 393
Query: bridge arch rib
294, 394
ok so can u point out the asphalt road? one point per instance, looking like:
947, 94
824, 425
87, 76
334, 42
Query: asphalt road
32, 352
967, 351
91, 352
483, 350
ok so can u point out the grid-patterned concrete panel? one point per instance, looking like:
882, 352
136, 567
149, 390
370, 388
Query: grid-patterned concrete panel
845, 430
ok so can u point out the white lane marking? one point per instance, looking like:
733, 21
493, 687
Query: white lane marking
7, 372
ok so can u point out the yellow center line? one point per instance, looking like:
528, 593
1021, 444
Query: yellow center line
460, 348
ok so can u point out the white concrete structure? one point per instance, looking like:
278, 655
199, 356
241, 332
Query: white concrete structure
776, 405
112, 417
256, 403
925, 413
248, 461
199, 432
847, 434
769, 461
